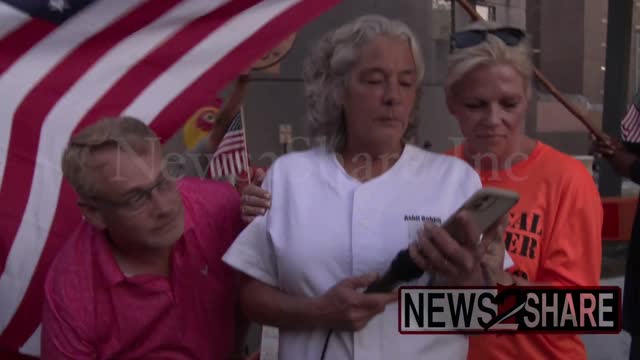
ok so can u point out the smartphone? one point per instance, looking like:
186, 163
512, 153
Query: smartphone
269, 343
485, 207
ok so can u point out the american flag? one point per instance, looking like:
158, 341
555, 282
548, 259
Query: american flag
65, 64
230, 158
630, 125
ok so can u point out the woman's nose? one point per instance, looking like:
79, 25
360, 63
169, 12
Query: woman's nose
391, 94
494, 114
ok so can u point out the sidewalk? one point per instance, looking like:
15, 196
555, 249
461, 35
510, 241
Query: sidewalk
608, 347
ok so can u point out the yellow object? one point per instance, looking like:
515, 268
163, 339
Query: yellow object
199, 125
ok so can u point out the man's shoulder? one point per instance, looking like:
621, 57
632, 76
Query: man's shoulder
445, 177
70, 276
299, 168
564, 169
438, 165
293, 161
557, 158
208, 195
211, 205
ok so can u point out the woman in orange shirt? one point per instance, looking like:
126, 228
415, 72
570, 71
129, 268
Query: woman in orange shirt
554, 232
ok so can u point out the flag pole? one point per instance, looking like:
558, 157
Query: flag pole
546, 83
245, 150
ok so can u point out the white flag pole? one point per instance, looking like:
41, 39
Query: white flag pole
246, 145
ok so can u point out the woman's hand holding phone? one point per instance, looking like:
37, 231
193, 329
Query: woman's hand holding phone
456, 260
468, 250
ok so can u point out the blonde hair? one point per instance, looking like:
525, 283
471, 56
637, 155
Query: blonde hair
489, 52
327, 69
111, 132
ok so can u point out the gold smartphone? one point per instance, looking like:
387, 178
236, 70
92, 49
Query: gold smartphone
485, 207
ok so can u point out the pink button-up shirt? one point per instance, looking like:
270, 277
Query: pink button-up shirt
93, 311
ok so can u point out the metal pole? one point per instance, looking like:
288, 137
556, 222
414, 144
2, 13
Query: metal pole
453, 17
616, 80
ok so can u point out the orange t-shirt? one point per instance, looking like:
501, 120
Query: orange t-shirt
553, 236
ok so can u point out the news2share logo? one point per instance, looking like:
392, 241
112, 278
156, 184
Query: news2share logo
535, 309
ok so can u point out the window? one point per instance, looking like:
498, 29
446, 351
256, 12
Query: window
441, 4
487, 12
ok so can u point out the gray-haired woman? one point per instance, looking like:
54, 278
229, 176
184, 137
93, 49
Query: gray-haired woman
341, 211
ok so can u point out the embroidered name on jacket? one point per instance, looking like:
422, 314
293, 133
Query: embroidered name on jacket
423, 218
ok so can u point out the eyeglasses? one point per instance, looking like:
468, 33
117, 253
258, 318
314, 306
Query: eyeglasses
464, 39
140, 199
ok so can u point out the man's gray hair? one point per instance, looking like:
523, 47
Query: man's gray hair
111, 132
327, 70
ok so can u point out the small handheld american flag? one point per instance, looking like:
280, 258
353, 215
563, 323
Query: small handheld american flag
230, 159
630, 125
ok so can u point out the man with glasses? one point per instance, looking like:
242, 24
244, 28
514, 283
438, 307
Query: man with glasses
142, 277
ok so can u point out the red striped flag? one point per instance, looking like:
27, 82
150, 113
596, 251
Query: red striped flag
66, 63
230, 158
630, 125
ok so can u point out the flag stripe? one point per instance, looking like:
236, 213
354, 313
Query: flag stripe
631, 115
631, 125
230, 148
28, 120
233, 136
162, 43
32, 345
23, 322
627, 122
232, 161
241, 29
218, 168
235, 132
120, 97
10, 19
153, 102
33, 66
229, 145
265, 37
634, 124
238, 145
239, 164
225, 168
233, 164
97, 79
20, 40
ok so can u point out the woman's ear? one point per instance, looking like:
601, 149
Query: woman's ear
92, 215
